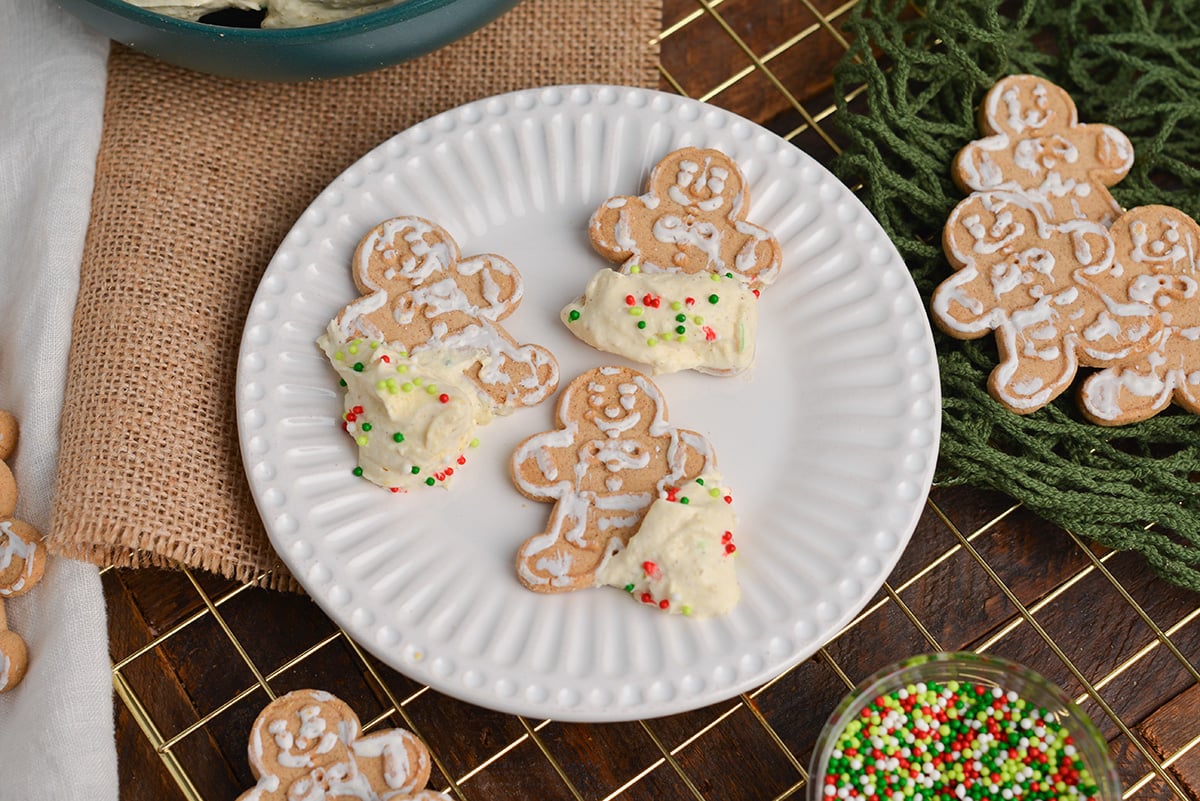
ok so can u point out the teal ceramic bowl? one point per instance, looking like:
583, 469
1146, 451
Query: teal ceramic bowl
376, 39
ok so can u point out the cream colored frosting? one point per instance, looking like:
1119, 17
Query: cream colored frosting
413, 416
668, 321
280, 13
681, 557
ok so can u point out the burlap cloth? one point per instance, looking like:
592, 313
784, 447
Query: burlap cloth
198, 179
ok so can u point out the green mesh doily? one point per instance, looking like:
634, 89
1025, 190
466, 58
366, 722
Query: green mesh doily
914, 78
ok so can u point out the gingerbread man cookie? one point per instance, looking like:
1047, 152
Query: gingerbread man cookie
692, 219
1036, 146
1035, 283
420, 294
307, 745
1157, 256
612, 454
22, 561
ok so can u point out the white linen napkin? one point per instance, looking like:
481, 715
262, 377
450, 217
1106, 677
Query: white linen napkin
56, 727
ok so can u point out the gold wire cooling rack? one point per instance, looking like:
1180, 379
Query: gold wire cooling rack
193, 664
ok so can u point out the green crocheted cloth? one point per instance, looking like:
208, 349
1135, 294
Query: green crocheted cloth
1127, 63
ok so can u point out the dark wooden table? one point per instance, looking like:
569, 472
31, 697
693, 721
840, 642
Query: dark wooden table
190, 650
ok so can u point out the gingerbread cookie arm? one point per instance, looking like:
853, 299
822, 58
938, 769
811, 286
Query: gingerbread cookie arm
611, 228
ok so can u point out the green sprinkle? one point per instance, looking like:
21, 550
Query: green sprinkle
641, 324
407, 386
684, 500
574, 315
358, 367
398, 437
429, 482
686, 611
680, 329
415, 470
353, 348
700, 481
357, 471
431, 389
366, 426
651, 341
715, 276
401, 368
362, 441
339, 356
474, 443
418, 381
714, 299
681, 318
636, 311
628, 588
341, 382
634, 269
677, 305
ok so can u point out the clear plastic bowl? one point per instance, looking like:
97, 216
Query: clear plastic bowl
967, 669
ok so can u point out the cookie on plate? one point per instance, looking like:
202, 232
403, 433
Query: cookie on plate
611, 455
691, 219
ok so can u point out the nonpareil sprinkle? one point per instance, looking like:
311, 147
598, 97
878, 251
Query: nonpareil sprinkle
956, 740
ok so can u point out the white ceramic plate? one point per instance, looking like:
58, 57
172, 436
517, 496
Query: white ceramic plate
828, 443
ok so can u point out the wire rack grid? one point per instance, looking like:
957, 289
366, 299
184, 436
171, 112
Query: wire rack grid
191, 669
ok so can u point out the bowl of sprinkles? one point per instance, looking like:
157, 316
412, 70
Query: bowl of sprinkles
960, 726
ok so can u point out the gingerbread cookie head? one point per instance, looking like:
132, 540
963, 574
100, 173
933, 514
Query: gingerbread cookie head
1158, 256
692, 219
612, 453
420, 294
308, 745
1035, 284
1036, 146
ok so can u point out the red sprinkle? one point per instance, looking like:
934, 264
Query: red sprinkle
647, 598
664, 604
690, 301
755, 291
728, 499
730, 548
462, 460
357, 410
630, 300
449, 471
385, 359
651, 569
709, 334
727, 536
444, 398
672, 493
